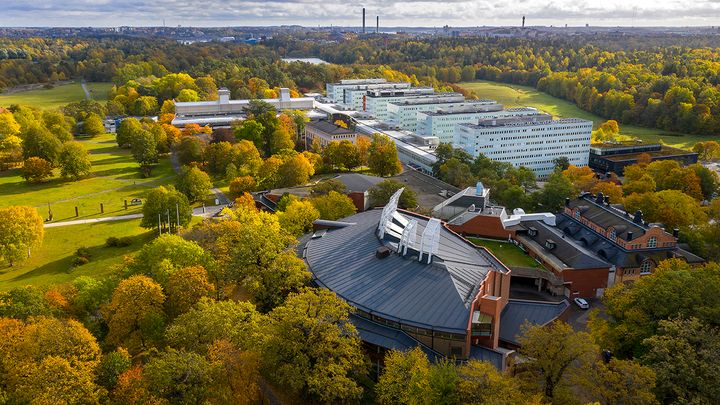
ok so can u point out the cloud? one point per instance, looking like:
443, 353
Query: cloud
327, 12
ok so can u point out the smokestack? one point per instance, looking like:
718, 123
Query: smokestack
523, 22
363, 20
377, 24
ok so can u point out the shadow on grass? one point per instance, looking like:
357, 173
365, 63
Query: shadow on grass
110, 160
118, 172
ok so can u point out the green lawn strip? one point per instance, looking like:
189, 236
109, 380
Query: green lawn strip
99, 90
508, 253
56, 97
51, 263
512, 95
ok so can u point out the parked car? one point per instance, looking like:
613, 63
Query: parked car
580, 302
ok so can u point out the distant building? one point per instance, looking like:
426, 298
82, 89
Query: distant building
325, 132
615, 156
533, 141
343, 92
441, 123
403, 114
224, 111
414, 283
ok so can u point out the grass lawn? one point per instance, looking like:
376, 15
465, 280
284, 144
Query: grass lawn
508, 253
57, 96
512, 95
51, 263
115, 178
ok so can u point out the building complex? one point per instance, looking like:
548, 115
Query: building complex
351, 92
615, 156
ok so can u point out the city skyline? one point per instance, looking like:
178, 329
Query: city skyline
422, 13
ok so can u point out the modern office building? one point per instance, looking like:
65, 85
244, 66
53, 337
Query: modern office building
403, 114
614, 156
342, 92
415, 283
533, 141
223, 111
441, 123
375, 102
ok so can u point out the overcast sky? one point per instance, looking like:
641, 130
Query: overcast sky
347, 13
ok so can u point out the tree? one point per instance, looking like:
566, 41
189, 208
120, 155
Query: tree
191, 149
242, 184
164, 201
618, 381
166, 255
135, 316
556, 190
267, 176
670, 207
210, 321
334, 206
8, 125
144, 151
21, 230
294, 170
271, 284
93, 125
326, 186
74, 161
194, 183
456, 173
219, 155
405, 379
684, 354
481, 383
280, 139
248, 160
236, 374
39, 142
582, 178
555, 353
185, 288
11, 151
179, 376
382, 156
23, 302
709, 181
341, 155
251, 130
298, 217
36, 169
128, 129
609, 189
312, 348
380, 194
562, 163
645, 184
112, 366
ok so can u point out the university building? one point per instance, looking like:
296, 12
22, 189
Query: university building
350, 92
403, 114
441, 123
325, 132
615, 156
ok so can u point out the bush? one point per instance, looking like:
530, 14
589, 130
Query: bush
112, 242
118, 242
83, 252
80, 260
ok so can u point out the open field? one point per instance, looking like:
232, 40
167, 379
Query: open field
57, 96
508, 253
115, 178
512, 95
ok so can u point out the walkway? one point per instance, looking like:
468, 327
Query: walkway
88, 96
93, 220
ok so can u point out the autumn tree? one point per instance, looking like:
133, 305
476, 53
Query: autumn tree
180, 376
382, 156
194, 183
191, 149
21, 230
582, 178
36, 169
235, 374
93, 125
242, 184
298, 217
405, 379
166, 255
74, 161
334, 206
111, 366
312, 348
479, 382
164, 202
380, 194
135, 316
294, 170
11, 152
670, 207
609, 189
185, 288
326, 186
556, 190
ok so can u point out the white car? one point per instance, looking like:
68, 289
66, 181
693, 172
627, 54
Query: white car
580, 302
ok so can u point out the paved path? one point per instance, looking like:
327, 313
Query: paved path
93, 220
88, 96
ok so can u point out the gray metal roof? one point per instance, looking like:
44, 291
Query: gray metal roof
358, 182
432, 296
516, 312
387, 337
567, 250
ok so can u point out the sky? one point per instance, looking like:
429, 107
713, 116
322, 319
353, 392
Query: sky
393, 13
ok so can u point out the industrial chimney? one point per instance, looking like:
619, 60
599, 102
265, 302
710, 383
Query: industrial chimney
363, 20
377, 24
523, 22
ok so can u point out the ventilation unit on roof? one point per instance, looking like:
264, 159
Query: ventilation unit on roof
388, 212
408, 237
430, 239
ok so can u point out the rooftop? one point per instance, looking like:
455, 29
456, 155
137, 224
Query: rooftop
358, 182
517, 312
570, 253
525, 121
434, 296
329, 128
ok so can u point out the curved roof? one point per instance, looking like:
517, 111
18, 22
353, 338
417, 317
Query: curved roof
433, 296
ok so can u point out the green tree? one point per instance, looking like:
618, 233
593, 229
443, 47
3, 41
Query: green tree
381, 192
326, 186
135, 316
93, 125
74, 161
556, 190
271, 284
21, 230
166, 255
144, 151
562, 163
185, 288
22, 303
334, 206
382, 156
251, 130
164, 201
180, 377
128, 129
112, 366
194, 183
456, 173
312, 348
405, 379
481, 383
39, 142
191, 149
36, 169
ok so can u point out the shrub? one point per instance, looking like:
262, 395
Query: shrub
80, 260
125, 241
112, 241
83, 252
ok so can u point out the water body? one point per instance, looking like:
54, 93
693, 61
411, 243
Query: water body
314, 61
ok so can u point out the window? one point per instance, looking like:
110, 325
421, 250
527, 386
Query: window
613, 235
652, 242
645, 267
577, 213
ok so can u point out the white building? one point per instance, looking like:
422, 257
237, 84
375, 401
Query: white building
376, 102
403, 114
336, 92
442, 123
223, 111
531, 141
